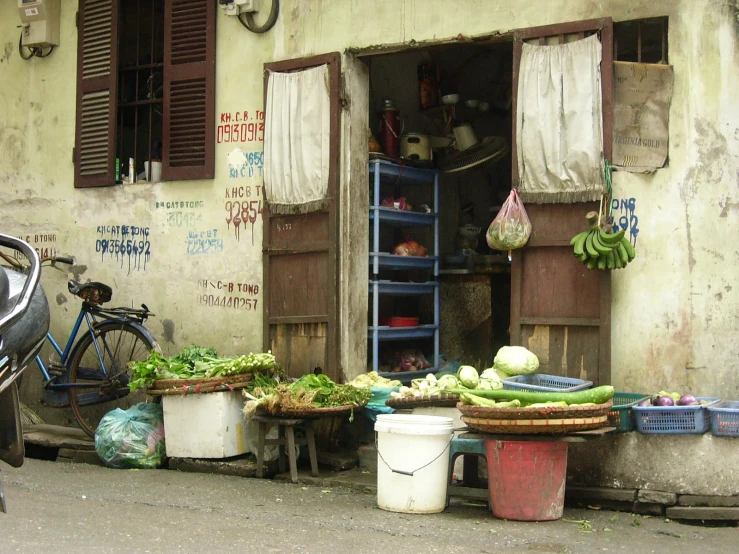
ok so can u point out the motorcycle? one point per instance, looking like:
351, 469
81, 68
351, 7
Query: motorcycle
24, 322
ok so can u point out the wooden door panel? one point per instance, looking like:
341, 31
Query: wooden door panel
302, 347
297, 286
294, 231
554, 284
568, 351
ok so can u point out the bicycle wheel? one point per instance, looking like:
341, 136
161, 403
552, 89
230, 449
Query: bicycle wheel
107, 383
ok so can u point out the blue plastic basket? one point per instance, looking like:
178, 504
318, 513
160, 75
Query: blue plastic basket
725, 419
545, 383
673, 419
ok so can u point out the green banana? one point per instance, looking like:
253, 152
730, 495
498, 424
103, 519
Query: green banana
583, 257
592, 252
599, 245
579, 242
629, 249
578, 237
617, 259
611, 259
622, 254
602, 262
611, 239
592, 263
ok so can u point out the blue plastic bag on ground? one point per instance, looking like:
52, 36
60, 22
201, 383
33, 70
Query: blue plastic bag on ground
376, 404
133, 438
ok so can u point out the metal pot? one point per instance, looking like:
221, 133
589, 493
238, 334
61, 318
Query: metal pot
415, 146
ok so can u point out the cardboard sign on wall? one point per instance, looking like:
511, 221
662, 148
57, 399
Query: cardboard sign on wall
641, 114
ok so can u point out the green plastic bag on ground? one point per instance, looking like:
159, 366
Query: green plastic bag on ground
133, 438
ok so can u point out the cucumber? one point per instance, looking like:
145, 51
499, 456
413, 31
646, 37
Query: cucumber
597, 395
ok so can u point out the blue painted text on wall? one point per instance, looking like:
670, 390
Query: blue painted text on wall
624, 217
204, 242
124, 243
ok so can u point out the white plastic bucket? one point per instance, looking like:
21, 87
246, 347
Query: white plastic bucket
412, 462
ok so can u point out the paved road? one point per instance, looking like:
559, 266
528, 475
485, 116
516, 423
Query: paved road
78, 508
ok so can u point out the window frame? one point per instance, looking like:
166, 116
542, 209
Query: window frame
189, 71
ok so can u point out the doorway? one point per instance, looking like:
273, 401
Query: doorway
434, 92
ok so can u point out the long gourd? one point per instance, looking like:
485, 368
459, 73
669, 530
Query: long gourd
597, 395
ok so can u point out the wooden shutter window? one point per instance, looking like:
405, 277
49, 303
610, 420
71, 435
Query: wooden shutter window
97, 78
189, 82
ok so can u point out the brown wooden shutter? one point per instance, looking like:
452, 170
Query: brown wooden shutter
97, 80
189, 89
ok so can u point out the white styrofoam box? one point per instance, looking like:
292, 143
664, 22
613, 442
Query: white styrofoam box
209, 425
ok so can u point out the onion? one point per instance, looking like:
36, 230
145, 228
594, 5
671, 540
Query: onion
687, 400
665, 401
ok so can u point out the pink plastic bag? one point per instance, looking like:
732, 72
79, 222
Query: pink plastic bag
511, 228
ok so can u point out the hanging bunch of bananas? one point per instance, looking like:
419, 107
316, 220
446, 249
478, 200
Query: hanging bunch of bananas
600, 249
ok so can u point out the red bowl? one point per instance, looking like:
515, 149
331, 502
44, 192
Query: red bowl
402, 321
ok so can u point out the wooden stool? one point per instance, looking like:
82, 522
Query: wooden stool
286, 442
472, 447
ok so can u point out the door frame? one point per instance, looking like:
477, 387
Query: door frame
332, 356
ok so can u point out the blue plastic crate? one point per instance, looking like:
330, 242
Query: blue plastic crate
540, 382
725, 419
673, 419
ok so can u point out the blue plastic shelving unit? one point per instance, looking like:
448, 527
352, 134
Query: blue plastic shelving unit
386, 172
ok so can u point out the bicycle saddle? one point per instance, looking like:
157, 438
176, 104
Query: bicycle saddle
92, 292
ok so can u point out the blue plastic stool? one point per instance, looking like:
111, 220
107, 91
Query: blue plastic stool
472, 447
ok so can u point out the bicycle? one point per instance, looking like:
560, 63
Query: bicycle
93, 369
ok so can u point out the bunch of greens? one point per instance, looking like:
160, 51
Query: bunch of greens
310, 391
195, 362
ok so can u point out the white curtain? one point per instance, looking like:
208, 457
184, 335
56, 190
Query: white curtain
296, 141
559, 131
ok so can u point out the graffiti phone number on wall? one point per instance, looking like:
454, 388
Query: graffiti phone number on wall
234, 302
240, 132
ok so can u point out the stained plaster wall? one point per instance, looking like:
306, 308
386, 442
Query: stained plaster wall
675, 310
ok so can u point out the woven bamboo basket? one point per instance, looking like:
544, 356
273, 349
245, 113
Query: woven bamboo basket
441, 400
200, 386
548, 412
313, 413
535, 426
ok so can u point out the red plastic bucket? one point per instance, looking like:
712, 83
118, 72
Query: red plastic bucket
527, 479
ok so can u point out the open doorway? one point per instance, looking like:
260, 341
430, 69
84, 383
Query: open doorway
453, 109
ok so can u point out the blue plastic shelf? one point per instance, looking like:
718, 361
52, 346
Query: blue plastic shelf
393, 261
401, 333
392, 172
402, 218
395, 287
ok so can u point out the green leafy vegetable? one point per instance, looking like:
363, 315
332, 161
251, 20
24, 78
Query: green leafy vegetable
194, 362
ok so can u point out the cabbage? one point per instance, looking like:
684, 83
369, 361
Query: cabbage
515, 360
468, 376
492, 375
448, 382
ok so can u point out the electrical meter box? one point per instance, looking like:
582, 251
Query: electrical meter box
40, 19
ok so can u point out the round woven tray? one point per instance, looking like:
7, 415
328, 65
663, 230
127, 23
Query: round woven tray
196, 386
550, 412
535, 426
436, 401
314, 413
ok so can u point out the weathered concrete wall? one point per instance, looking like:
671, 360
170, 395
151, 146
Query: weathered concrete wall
675, 310
682, 464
